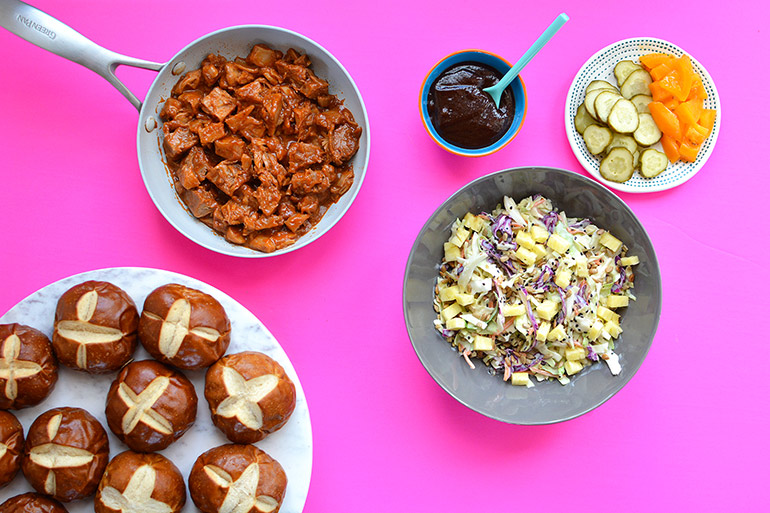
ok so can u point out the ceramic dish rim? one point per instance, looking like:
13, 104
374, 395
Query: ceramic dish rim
624, 187
501, 143
210, 239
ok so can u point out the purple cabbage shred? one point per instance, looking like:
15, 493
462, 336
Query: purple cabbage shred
550, 220
495, 256
563, 312
503, 223
579, 225
546, 275
618, 285
521, 368
581, 296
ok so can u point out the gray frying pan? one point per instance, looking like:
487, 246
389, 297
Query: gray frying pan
51, 34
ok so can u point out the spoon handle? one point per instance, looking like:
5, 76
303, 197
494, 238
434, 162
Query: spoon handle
536, 47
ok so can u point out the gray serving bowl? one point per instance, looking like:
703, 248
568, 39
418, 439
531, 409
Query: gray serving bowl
547, 402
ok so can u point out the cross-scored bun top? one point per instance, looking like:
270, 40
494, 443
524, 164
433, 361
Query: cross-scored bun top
237, 479
249, 395
95, 328
184, 327
150, 405
140, 483
28, 368
65, 453
32, 503
11, 447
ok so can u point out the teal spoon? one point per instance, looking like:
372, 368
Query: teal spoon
497, 90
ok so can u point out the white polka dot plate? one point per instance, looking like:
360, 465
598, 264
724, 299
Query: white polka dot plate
600, 67
291, 446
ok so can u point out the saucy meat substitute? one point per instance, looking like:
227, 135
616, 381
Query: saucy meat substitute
257, 147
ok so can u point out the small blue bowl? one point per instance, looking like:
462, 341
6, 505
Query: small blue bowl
489, 59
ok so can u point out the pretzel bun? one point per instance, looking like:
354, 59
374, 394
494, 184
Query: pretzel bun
65, 453
28, 367
11, 447
150, 405
184, 327
31, 502
239, 477
140, 482
95, 327
249, 396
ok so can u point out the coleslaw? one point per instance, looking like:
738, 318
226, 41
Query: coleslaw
533, 292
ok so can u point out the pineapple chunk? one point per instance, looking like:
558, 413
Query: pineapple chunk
607, 314
525, 239
557, 333
455, 323
563, 277
513, 310
449, 293
460, 236
617, 301
451, 252
451, 311
631, 260
572, 367
595, 330
539, 251
610, 242
539, 233
482, 343
525, 255
542, 332
575, 354
558, 243
464, 299
520, 379
613, 329
581, 267
473, 222
547, 309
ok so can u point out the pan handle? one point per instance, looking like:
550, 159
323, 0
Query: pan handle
50, 34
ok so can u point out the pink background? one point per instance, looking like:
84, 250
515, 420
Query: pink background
688, 433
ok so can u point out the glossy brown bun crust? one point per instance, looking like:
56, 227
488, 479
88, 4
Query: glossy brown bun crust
155, 426
143, 479
184, 327
12, 440
32, 503
35, 368
269, 396
249, 475
65, 453
104, 316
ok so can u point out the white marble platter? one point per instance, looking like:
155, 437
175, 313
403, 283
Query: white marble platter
292, 445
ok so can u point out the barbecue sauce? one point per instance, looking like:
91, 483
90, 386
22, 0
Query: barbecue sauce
462, 113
